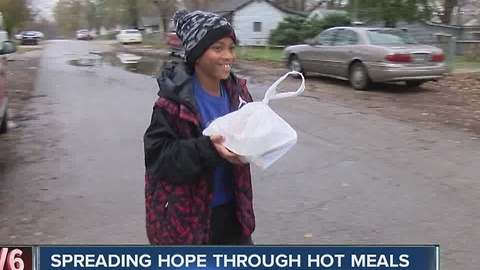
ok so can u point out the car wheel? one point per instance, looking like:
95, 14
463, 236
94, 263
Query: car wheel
414, 83
4, 124
358, 76
294, 64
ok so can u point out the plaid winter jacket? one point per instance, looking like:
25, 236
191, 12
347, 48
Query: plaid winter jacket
180, 162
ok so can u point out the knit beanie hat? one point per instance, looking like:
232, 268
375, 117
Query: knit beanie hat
198, 30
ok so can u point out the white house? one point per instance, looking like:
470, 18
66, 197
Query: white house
255, 19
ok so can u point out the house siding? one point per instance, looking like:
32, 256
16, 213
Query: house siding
256, 11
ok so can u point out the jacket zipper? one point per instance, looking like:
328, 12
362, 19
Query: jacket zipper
165, 208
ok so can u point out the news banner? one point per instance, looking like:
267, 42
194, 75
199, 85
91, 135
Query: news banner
219, 257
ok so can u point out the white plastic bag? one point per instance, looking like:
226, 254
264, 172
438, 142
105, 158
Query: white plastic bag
255, 132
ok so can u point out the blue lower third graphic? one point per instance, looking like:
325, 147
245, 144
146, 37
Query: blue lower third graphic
240, 257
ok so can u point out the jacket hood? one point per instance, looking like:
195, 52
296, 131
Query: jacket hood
175, 83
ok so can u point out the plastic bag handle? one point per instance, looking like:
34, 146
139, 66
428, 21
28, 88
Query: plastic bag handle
272, 90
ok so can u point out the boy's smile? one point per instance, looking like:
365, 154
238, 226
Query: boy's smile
216, 62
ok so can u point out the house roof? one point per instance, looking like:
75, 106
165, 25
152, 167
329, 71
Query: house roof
473, 22
215, 6
223, 7
227, 6
292, 12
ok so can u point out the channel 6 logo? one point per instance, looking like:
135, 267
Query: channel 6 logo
16, 258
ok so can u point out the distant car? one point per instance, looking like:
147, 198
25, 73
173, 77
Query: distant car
7, 47
173, 42
39, 35
363, 55
83, 34
29, 38
129, 36
19, 36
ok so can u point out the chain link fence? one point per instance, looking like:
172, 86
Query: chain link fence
467, 51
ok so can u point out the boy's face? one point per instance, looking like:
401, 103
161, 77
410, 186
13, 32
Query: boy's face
217, 60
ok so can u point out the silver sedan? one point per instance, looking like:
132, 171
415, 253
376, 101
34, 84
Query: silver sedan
363, 55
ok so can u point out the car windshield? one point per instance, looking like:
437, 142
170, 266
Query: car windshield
382, 37
131, 31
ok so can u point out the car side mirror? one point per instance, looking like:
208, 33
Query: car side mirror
8, 47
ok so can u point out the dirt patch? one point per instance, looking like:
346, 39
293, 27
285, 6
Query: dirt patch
21, 75
453, 101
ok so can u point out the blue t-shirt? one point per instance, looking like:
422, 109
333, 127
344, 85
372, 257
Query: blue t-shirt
212, 107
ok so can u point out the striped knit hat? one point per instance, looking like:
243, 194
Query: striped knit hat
198, 30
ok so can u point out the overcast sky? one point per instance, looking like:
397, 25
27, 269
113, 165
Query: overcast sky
46, 6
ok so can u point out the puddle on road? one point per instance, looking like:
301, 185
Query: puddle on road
146, 65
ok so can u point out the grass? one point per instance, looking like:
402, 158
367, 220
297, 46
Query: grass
24, 49
267, 54
461, 62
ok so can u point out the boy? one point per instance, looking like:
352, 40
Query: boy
196, 191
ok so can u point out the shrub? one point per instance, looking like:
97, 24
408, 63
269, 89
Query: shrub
295, 30
289, 31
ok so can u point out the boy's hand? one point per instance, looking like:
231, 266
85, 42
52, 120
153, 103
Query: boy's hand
231, 157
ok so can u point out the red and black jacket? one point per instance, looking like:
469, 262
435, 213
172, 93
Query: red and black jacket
180, 162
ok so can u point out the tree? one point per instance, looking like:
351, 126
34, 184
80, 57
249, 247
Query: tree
166, 9
92, 15
391, 11
70, 15
133, 12
195, 4
112, 12
74, 14
448, 7
15, 13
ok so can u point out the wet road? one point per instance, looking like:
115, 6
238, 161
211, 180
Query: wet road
353, 178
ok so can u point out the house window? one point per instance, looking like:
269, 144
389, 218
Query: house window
257, 27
